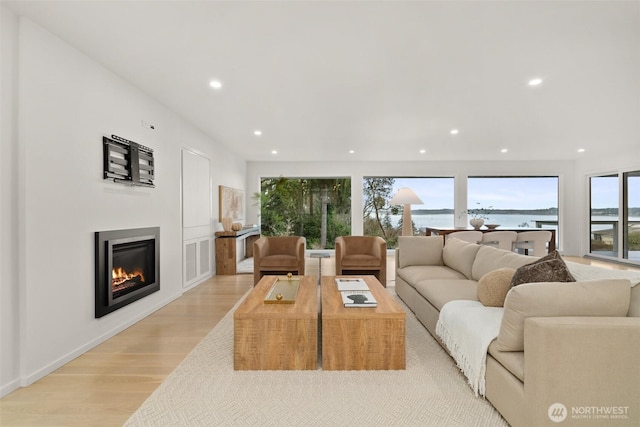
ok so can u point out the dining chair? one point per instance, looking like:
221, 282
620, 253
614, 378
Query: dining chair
532, 240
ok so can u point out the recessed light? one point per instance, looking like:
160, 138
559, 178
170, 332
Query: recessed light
454, 131
216, 84
535, 82
423, 151
351, 151
580, 150
257, 132
274, 151
504, 150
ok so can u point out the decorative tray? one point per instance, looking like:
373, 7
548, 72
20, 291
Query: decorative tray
283, 291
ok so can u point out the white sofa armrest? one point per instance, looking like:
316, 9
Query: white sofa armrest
587, 364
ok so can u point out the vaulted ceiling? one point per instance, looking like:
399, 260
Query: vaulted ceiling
387, 80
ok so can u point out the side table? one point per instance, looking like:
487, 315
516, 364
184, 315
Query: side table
319, 255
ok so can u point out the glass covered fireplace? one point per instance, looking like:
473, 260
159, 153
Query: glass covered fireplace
127, 267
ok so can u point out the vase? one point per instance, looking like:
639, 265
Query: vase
476, 223
226, 223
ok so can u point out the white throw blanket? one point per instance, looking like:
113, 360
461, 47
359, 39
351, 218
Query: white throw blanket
467, 328
589, 272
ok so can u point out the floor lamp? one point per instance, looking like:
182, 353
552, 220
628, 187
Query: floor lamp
406, 197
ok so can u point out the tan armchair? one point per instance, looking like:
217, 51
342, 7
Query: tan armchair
278, 255
363, 255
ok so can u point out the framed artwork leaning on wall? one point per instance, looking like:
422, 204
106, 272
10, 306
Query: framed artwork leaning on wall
231, 203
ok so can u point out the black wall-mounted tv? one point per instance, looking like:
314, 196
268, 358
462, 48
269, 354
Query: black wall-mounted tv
127, 162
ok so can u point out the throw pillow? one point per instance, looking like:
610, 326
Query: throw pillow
610, 297
493, 287
459, 255
550, 268
490, 258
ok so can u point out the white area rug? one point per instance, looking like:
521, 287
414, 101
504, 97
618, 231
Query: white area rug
204, 390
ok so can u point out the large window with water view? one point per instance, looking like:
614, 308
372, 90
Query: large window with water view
604, 218
384, 220
613, 234
631, 199
514, 202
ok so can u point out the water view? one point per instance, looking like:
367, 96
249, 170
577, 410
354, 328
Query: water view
503, 220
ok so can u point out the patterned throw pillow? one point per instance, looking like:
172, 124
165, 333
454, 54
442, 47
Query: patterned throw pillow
493, 287
550, 268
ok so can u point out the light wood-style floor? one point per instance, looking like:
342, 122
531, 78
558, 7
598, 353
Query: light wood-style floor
104, 386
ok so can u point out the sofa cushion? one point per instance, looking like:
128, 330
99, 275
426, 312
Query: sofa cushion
634, 305
440, 292
552, 299
550, 268
513, 361
489, 258
276, 261
360, 261
415, 273
460, 255
419, 250
493, 287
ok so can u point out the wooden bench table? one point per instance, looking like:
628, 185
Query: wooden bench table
362, 338
277, 336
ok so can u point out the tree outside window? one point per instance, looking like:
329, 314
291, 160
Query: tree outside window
318, 209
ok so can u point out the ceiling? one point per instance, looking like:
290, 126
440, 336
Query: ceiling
385, 79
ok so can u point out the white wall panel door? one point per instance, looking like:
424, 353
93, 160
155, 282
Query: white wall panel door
196, 218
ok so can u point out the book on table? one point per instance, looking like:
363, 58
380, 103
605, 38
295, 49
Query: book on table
358, 299
351, 284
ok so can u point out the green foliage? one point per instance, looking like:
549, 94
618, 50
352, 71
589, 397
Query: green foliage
294, 206
634, 241
376, 219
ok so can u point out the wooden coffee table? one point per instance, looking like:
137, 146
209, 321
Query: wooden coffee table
362, 338
277, 336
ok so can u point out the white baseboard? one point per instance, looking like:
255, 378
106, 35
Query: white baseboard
9, 387
31, 378
188, 286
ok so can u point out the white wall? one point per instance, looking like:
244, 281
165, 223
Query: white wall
65, 103
565, 170
9, 366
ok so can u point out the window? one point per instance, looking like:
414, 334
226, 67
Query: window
632, 216
515, 202
380, 219
615, 216
603, 224
317, 208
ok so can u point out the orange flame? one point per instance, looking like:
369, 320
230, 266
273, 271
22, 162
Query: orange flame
119, 276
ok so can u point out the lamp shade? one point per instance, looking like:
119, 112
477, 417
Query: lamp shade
405, 196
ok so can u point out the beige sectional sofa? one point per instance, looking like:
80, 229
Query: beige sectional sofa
576, 366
